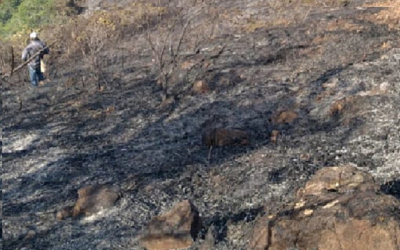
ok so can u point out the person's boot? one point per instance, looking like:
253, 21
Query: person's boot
43, 82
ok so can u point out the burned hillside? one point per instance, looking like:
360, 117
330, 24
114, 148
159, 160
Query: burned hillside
303, 86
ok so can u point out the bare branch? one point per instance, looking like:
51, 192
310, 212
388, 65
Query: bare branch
181, 38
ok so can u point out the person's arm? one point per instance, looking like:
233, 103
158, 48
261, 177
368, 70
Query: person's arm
25, 54
47, 50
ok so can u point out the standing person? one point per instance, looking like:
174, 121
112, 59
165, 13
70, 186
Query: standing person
34, 46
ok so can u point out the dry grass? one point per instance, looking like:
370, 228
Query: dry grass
252, 24
5, 57
390, 13
280, 14
343, 25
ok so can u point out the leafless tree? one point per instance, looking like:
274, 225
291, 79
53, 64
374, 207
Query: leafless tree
174, 42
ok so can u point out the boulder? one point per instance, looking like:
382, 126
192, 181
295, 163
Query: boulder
339, 208
64, 213
286, 116
200, 87
209, 239
176, 229
94, 198
91, 199
225, 136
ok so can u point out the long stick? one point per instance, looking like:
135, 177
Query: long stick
12, 60
28, 61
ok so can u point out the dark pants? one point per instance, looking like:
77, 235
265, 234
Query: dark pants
35, 75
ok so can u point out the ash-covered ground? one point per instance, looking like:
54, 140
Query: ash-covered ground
61, 137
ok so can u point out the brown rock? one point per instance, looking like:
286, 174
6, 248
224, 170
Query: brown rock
259, 240
175, 229
188, 65
286, 116
381, 89
30, 235
361, 235
337, 107
305, 157
350, 104
331, 83
64, 213
200, 87
339, 208
274, 136
209, 240
343, 179
225, 136
94, 198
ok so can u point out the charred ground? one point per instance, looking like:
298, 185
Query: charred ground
105, 118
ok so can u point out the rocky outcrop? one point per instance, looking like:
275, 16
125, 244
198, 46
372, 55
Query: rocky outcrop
225, 136
286, 116
91, 199
339, 208
175, 229
200, 87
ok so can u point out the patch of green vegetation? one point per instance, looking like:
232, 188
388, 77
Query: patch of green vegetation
7, 7
18, 16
